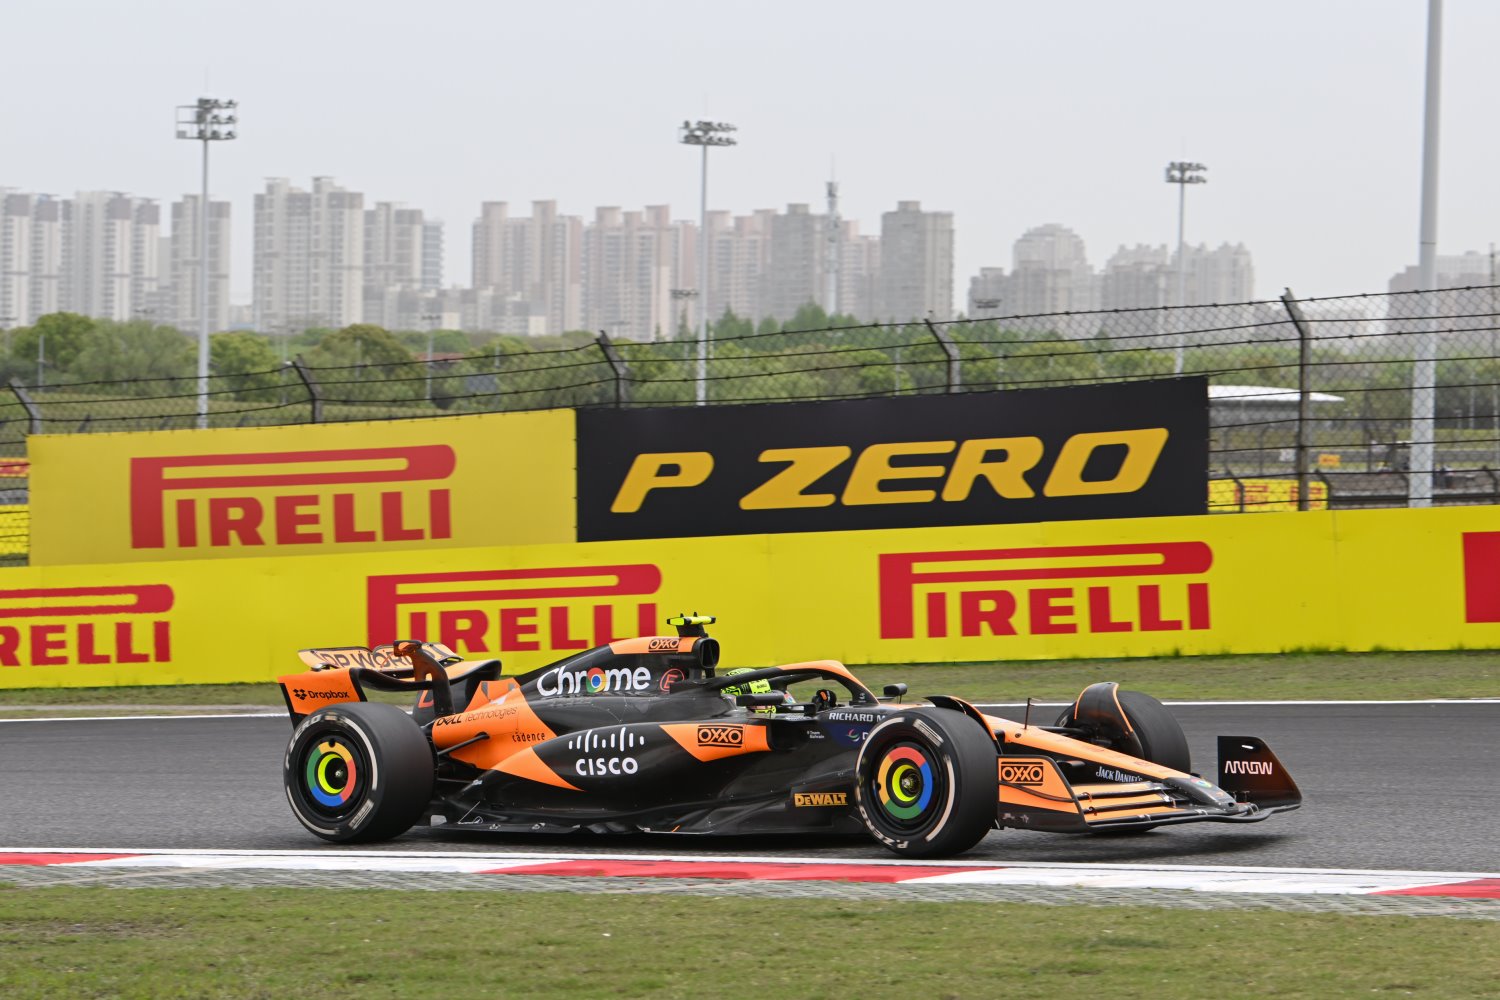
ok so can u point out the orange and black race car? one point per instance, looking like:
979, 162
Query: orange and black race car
650, 735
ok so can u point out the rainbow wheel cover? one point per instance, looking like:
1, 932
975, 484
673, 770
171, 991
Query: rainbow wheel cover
331, 774
903, 783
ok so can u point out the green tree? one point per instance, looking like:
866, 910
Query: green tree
376, 366
245, 363
359, 344
60, 337
138, 351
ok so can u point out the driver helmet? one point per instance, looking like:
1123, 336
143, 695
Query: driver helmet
761, 686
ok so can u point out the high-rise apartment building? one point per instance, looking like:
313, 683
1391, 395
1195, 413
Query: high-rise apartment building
110, 266
403, 267
182, 298
797, 262
987, 292
538, 260
1454, 270
1137, 277
308, 256
30, 257
916, 263
1219, 276
631, 263
1050, 273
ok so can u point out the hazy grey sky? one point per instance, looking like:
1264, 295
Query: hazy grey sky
1009, 114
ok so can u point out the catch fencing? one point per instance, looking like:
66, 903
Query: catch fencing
1311, 399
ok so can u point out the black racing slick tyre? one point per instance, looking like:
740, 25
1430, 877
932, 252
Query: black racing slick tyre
926, 783
1161, 736
358, 772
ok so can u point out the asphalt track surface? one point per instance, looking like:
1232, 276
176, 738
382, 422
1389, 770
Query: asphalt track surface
1405, 786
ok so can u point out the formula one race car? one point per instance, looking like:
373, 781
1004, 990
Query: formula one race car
649, 735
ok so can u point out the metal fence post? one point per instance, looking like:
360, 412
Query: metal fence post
33, 412
955, 376
616, 366
1304, 395
314, 393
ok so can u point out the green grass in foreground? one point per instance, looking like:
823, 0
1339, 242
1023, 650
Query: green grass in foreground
152, 943
1287, 676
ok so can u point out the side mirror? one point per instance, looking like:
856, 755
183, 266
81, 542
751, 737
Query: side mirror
895, 690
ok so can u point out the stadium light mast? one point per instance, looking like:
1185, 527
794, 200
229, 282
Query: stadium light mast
1182, 174
208, 121
704, 134
1421, 461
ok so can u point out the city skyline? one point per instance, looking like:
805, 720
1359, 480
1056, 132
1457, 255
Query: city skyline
1008, 116
322, 258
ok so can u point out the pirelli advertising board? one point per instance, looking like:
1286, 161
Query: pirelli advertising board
1125, 450
1135, 449
1356, 580
494, 479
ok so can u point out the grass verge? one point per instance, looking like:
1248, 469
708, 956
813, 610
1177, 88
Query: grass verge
1283, 677
93, 942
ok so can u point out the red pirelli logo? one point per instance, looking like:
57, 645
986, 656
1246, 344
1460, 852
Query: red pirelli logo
1481, 577
516, 610
1007, 591
207, 498
57, 626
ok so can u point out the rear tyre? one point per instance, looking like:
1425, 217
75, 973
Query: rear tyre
926, 783
358, 772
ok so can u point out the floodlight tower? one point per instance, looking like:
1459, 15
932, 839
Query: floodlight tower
704, 134
834, 247
1182, 174
210, 120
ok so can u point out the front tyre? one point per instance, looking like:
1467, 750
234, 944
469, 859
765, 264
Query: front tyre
1162, 739
926, 783
358, 772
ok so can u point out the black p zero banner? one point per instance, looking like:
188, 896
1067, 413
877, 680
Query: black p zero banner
1129, 449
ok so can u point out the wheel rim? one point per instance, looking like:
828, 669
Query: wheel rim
333, 774
905, 785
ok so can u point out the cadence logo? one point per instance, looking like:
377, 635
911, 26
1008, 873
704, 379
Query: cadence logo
57, 626
1481, 577
1048, 590
515, 610
291, 498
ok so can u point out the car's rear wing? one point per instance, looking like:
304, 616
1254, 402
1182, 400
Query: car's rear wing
340, 674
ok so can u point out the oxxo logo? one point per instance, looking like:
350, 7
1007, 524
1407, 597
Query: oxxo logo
663, 645
57, 626
291, 498
1042, 591
516, 610
871, 478
1022, 774
721, 736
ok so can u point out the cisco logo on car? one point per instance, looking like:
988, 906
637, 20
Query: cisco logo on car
595, 680
598, 767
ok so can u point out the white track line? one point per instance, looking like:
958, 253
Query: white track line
1196, 878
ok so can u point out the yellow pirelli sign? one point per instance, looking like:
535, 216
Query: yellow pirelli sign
1356, 580
404, 485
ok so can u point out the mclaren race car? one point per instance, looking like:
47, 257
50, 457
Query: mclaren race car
649, 735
